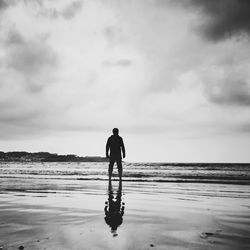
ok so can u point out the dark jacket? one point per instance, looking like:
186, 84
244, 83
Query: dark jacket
115, 145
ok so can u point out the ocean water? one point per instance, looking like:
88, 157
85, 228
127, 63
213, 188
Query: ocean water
133, 172
180, 199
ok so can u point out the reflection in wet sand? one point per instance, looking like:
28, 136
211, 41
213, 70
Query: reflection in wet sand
114, 208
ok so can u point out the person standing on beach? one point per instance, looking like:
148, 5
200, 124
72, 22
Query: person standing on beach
115, 145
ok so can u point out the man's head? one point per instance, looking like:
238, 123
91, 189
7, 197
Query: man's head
115, 131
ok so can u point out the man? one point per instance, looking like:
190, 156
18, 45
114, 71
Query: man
115, 146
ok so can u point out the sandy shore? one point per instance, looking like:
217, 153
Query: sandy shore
91, 215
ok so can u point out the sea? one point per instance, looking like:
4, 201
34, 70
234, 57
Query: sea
192, 195
221, 173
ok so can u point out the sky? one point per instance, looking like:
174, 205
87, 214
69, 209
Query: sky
173, 76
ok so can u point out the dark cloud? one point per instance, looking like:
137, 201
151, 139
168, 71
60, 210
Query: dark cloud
71, 10
6, 3
114, 35
119, 63
14, 38
229, 93
12, 115
19, 113
3, 4
27, 68
49, 13
27, 125
244, 128
223, 18
30, 57
68, 12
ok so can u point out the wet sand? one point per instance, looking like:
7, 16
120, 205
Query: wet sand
50, 214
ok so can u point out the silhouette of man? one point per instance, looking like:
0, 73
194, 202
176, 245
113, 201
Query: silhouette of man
115, 145
114, 208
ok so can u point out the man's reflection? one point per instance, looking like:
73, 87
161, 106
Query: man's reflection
114, 208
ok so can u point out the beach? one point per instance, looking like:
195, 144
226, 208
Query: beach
91, 213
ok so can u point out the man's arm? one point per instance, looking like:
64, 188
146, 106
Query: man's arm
123, 149
107, 148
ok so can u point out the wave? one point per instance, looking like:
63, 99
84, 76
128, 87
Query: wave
133, 172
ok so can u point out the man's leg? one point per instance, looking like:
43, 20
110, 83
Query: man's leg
119, 166
111, 165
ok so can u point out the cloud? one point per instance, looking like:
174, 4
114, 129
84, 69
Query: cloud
3, 4
119, 63
229, 93
223, 19
244, 128
51, 13
33, 58
114, 35
27, 67
71, 10
226, 81
67, 12
7, 3
90, 73
52, 10
28, 56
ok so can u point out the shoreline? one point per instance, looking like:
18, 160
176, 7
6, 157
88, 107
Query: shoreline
70, 215
218, 181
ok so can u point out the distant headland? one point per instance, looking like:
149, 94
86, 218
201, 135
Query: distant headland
23, 156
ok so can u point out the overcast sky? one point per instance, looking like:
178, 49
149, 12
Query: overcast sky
173, 76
